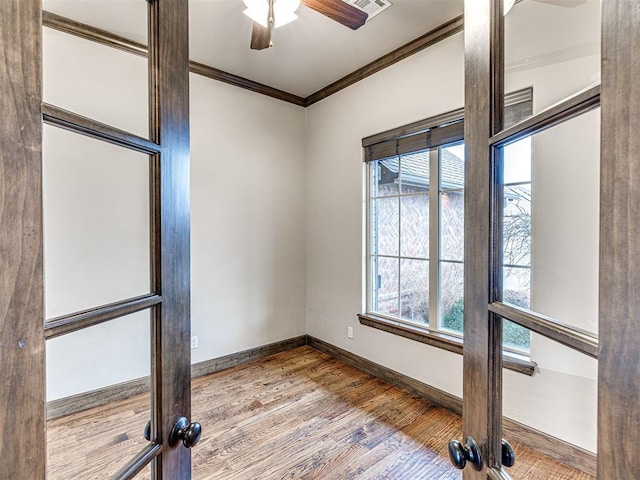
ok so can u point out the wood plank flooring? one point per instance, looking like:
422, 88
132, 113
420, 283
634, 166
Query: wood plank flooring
296, 415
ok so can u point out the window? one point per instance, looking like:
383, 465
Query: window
415, 225
399, 232
416, 232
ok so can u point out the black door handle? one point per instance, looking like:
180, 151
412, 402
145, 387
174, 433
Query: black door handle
460, 454
147, 431
188, 433
508, 455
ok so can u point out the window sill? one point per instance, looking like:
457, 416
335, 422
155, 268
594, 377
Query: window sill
439, 340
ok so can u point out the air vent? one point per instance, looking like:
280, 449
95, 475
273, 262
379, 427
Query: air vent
371, 7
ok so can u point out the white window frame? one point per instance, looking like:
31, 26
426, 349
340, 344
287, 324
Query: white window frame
434, 258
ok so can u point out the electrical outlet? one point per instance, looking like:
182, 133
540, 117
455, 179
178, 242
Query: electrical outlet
350, 332
194, 341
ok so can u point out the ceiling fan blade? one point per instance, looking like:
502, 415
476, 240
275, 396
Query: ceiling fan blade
563, 3
260, 37
339, 11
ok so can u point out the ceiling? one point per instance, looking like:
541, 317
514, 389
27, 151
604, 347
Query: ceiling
307, 54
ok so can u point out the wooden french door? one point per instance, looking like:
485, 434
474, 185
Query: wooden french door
23, 327
481, 450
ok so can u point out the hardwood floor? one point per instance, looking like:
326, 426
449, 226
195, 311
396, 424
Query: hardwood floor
295, 415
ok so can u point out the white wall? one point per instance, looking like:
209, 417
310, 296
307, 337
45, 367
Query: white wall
560, 398
247, 219
247, 199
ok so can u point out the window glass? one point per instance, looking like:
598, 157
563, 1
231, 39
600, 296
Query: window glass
451, 295
414, 172
386, 272
385, 217
399, 237
414, 290
384, 178
452, 225
414, 232
452, 167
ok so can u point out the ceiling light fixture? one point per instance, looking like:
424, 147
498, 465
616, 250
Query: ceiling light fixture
283, 11
508, 5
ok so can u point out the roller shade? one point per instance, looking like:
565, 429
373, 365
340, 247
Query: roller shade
429, 133
414, 143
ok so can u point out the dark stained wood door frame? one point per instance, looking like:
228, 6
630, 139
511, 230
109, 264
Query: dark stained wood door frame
484, 310
619, 299
615, 347
23, 328
22, 354
171, 330
482, 364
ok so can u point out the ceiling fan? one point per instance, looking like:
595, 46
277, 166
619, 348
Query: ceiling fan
279, 12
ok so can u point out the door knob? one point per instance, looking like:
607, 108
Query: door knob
459, 454
147, 431
508, 455
188, 433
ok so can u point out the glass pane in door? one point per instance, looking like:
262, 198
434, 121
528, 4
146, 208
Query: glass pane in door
558, 405
94, 80
550, 223
96, 222
98, 400
552, 46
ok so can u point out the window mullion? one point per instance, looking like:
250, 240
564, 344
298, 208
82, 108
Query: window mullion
370, 295
434, 238
399, 236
